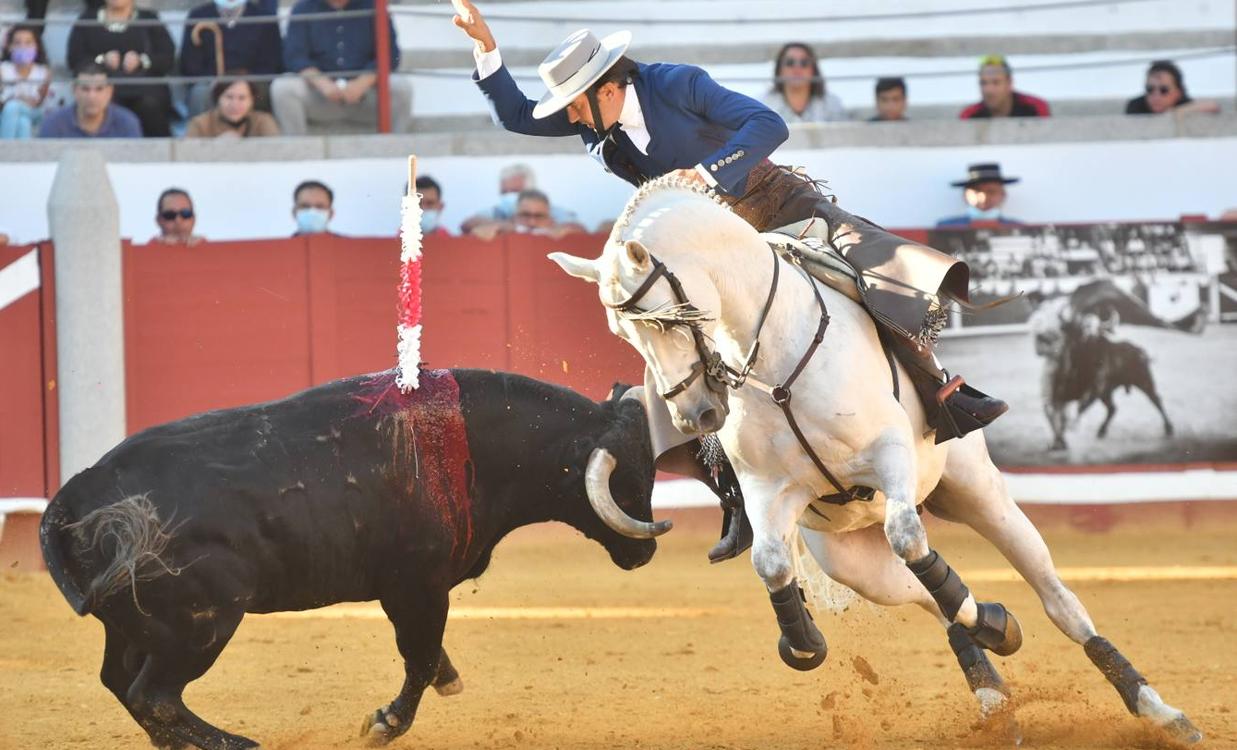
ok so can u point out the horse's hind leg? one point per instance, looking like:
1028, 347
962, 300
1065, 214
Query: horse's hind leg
973, 491
989, 623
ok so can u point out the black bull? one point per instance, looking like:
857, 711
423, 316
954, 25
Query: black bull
346, 492
1085, 367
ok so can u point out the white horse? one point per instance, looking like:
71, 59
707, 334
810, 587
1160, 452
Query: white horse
714, 282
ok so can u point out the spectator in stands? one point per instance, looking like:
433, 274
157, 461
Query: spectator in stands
890, 100
233, 115
431, 207
335, 62
1166, 91
249, 47
175, 216
24, 80
92, 115
129, 51
512, 180
313, 207
984, 193
533, 215
999, 99
798, 92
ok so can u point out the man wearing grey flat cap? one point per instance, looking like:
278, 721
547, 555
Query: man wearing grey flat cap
643, 121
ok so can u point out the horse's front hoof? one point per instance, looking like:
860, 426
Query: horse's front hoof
996, 629
804, 661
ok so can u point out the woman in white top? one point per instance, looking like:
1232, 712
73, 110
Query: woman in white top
24, 80
798, 92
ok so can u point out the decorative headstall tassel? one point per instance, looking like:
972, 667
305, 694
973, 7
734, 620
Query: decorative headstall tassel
408, 347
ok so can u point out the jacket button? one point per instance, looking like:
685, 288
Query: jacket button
739, 153
713, 167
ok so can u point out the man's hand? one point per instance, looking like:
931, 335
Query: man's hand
131, 61
355, 91
691, 175
112, 59
328, 88
468, 18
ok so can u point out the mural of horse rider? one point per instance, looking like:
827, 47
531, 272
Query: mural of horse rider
642, 121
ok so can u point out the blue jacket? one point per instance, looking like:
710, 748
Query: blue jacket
330, 46
117, 123
256, 47
690, 118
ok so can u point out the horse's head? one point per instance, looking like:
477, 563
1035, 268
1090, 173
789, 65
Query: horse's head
666, 315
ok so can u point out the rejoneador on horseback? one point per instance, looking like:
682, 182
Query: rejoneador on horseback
643, 121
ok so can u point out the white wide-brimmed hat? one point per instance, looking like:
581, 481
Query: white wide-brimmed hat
575, 65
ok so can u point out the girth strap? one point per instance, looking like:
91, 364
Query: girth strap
781, 395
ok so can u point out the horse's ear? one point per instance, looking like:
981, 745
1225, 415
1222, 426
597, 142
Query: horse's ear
637, 253
581, 268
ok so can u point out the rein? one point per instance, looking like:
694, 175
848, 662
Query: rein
719, 376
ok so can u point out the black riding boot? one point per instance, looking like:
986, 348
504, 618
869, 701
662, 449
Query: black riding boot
953, 408
736, 534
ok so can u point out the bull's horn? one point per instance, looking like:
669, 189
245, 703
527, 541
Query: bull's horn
597, 485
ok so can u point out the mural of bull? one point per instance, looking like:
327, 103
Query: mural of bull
350, 491
1083, 363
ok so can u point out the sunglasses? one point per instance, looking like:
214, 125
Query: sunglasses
796, 62
184, 213
1161, 90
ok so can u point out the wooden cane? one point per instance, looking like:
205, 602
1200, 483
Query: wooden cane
196, 36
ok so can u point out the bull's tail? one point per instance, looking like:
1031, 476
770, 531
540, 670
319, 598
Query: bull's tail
125, 540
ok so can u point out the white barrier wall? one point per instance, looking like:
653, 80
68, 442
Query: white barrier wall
898, 187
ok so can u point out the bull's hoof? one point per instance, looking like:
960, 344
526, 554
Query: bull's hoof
381, 727
804, 661
454, 687
996, 629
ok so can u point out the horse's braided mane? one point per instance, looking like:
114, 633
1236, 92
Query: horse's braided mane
668, 181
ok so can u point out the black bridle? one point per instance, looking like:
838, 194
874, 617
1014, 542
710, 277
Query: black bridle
718, 376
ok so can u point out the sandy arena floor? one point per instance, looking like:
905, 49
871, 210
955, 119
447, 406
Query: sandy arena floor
559, 649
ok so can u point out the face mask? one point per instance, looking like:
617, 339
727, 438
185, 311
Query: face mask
311, 220
24, 55
975, 214
506, 205
429, 220
229, 4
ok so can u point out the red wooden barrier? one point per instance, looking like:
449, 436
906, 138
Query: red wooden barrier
24, 456
223, 324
